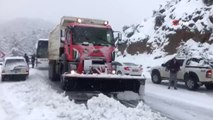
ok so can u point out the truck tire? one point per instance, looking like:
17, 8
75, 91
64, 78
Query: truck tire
53, 76
64, 64
63, 84
191, 83
209, 86
2, 78
156, 78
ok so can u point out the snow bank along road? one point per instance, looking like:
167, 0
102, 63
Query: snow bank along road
180, 104
35, 99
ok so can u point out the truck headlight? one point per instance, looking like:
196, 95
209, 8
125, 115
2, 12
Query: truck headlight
79, 20
73, 72
113, 72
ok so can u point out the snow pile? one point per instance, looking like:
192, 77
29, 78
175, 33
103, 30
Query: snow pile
169, 29
106, 108
34, 99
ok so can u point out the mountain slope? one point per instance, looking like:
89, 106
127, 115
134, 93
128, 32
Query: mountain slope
172, 29
19, 36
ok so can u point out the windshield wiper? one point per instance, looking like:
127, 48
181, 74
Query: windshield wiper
104, 40
101, 44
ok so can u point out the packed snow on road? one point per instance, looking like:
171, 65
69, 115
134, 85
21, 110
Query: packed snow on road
38, 98
35, 99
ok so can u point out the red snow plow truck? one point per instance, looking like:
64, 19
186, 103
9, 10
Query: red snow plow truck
81, 53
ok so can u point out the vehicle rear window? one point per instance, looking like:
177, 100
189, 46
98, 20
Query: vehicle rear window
15, 61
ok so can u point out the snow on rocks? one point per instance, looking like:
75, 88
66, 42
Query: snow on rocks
158, 33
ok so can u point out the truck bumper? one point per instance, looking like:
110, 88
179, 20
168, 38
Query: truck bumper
105, 82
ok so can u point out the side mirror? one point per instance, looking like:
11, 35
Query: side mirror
117, 35
62, 36
1, 63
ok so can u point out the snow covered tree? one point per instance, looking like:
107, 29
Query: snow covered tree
22, 35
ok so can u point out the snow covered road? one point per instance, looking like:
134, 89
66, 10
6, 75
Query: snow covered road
35, 99
180, 104
38, 98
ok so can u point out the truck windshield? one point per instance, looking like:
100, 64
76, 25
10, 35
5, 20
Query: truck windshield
91, 35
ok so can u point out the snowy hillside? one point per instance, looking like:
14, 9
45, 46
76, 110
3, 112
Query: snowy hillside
21, 35
180, 26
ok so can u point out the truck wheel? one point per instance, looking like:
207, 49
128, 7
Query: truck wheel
2, 78
191, 83
156, 77
64, 64
63, 84
53, 76
209, 86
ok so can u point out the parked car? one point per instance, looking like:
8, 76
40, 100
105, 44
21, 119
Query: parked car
193, 71
14, 68
127, 68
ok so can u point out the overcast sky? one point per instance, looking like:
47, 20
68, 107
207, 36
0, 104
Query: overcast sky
118, 12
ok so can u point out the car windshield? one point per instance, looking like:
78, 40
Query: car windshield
130, 64
91, 35
15, 63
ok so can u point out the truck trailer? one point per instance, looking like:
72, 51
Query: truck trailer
81, 52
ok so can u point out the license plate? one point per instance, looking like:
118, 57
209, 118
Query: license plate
16, 70
135, 70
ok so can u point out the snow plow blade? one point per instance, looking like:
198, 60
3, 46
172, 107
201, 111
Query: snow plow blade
102, 83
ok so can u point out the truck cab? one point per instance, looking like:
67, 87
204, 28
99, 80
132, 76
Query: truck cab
88, 43
81, 52
84, 45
